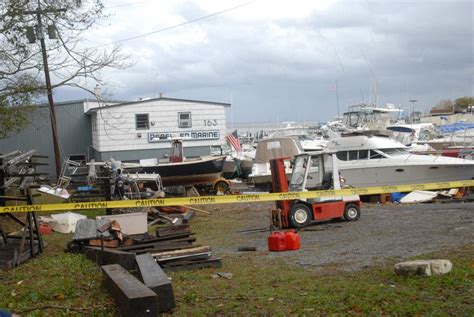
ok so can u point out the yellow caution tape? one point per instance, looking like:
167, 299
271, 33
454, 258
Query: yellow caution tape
227, 199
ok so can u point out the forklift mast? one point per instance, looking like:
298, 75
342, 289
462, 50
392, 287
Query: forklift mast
280, 185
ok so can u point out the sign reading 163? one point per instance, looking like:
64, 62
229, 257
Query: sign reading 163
210, 123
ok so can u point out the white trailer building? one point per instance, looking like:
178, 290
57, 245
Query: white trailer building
144, 129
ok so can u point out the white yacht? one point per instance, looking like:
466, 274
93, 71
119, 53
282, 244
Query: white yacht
301, 134
414, 135
460, 134
409, 133
367, 159
370, 117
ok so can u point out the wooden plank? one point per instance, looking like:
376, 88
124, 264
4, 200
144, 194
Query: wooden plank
107, 243
150, 239
162, 249
131, 296
187, 257
198, 210
153, 276
192, 265
155, 244
179, 252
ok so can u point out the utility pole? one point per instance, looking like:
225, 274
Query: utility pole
337, 100
49, 90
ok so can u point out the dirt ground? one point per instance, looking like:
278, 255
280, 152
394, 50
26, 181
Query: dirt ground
383, 232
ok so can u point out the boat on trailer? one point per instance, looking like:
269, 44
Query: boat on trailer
179, 170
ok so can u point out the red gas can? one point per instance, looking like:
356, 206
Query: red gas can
277, 241
293, 241
44, 228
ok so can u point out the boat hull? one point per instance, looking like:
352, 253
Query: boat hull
406, 174
231, 168
187, 172
246, 168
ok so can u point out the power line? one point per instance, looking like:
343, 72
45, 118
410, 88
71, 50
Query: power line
177, 25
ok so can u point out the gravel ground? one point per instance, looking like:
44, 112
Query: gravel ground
382, 233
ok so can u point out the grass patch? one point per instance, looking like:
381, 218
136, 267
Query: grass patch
261, 285
60, 280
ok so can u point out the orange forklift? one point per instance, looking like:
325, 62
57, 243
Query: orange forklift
311, 171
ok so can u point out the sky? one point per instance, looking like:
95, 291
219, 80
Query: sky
278, 60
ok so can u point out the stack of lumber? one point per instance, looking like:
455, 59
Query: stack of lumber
173, 248
187, 259
167, 238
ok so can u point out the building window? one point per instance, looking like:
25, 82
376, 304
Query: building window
142, 121
184, 119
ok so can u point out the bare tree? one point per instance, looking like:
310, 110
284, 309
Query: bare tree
24, 23
61, 25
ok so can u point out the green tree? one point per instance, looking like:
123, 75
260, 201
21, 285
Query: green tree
464, 102
70, 60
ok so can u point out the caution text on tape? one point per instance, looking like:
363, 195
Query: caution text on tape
227, 199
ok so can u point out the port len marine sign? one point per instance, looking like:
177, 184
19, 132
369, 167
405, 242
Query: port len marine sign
188, 135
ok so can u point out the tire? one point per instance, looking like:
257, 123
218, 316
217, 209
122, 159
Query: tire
299, 216
221, 186
351, 212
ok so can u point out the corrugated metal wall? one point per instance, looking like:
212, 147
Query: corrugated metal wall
74, 129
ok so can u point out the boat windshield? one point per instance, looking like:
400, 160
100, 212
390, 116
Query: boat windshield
394, 152
356, 155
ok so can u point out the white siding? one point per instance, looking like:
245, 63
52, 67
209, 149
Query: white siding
116, 126
94, 128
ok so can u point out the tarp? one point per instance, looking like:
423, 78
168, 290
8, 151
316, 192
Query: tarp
455, 127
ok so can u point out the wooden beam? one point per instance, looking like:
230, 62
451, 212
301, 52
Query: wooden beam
153, 276
132, 297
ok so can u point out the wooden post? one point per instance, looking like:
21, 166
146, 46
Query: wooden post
29, 201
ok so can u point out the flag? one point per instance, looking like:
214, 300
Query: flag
233, 140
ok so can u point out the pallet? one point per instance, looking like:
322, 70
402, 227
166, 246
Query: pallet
9, 253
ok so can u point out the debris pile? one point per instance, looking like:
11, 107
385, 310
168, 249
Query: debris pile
122, 245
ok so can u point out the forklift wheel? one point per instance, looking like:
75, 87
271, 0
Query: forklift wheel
299, 216
352, 212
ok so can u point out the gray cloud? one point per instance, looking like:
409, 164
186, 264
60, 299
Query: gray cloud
284, 69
